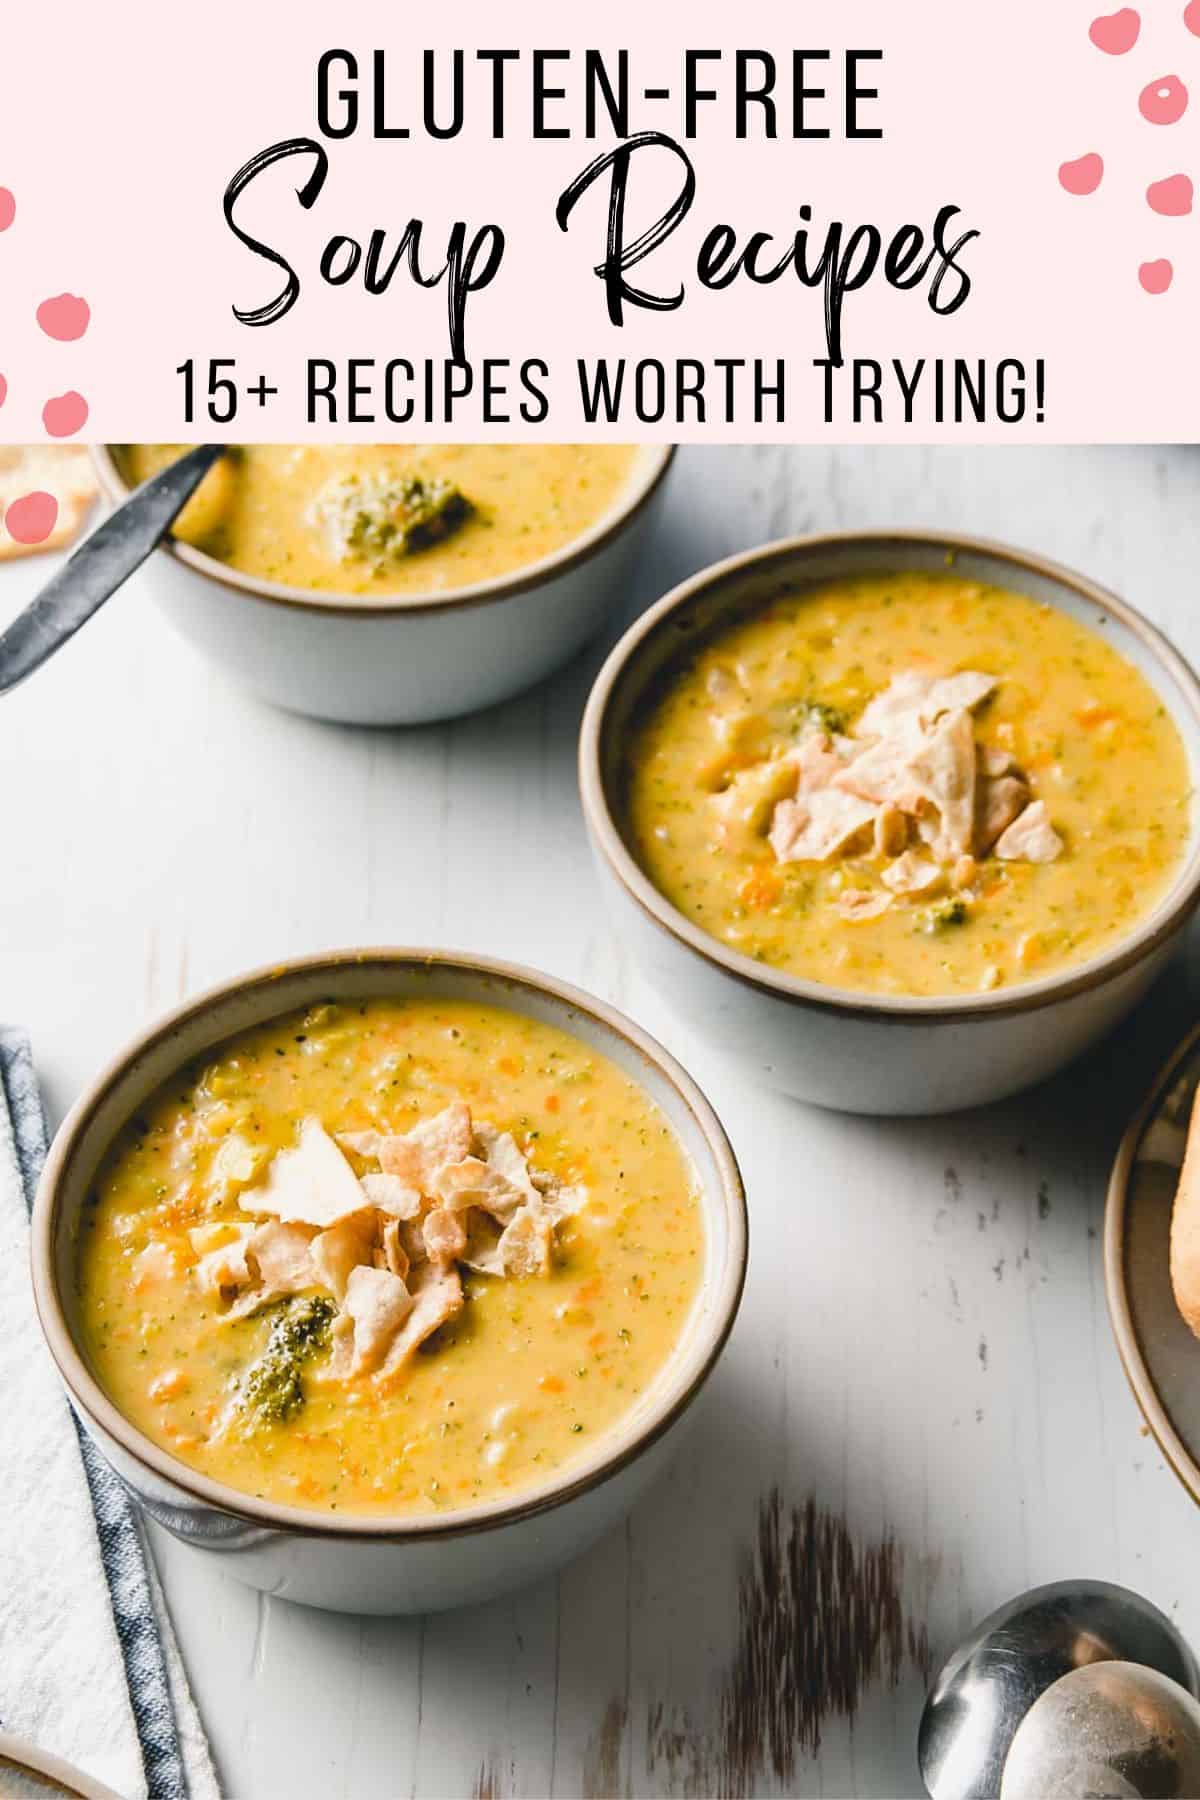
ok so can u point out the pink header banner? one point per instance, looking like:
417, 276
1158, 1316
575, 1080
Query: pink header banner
874, 221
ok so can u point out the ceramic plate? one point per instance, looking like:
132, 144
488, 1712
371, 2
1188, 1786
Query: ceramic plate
1161, 1357
27, 1773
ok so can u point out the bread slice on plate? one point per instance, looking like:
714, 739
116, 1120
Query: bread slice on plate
1185, 1228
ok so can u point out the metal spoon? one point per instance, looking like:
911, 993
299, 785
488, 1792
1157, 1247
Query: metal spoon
100, 564
1108, 1731
990, 1682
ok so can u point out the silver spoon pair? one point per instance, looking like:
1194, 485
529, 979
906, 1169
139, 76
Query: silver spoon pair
1076, 1691
98, 567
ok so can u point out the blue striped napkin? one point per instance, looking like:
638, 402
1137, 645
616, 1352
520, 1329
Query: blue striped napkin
89, 1666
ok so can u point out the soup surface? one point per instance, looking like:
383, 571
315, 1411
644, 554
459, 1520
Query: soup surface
285, 1358
813, 789
392, 518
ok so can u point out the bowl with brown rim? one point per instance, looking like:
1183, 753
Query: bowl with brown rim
411, 658
30, 1772
1158, 1351
839, 1047
376, 1563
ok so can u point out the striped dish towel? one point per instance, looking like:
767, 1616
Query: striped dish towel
89, 1666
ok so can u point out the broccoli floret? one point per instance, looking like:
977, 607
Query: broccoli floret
379, 521
271, 1390
829, 719
408, 516
945, 914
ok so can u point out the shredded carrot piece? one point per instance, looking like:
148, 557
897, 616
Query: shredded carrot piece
1092, 714
761, 888
167, 1385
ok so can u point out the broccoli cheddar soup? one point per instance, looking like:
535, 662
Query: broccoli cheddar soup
911, 784
389, 1258
381, 519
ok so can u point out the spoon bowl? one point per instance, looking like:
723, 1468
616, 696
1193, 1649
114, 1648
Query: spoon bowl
992, 1680
1108, 1730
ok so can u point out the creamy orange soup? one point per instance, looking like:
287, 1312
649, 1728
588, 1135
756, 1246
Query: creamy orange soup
909, 784
192, 1226
382, 519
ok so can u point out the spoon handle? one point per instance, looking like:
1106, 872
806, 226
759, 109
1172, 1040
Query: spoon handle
98, 567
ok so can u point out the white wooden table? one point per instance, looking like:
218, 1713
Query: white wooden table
923, 1352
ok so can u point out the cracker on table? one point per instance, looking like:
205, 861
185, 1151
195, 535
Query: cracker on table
64, 470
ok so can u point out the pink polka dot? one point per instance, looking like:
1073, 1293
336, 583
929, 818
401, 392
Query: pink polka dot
1116, 33
64, 415
1082, 176
8, 209
1156, 277
32, 518
1172, 197
65, 317
3, 390
1191, 16
1163, 102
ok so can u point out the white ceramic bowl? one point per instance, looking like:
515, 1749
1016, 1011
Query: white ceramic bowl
397, 1565
840, 1048
28, 1772
413, 658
